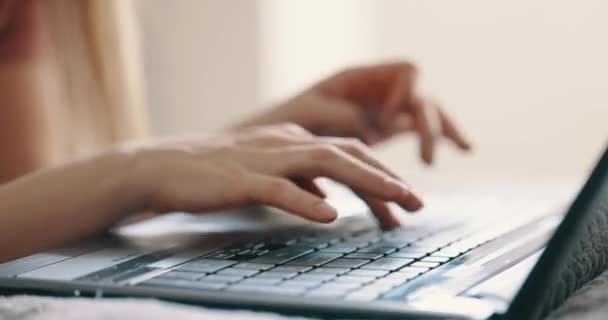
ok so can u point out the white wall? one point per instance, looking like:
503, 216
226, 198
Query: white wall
201, 59
527, 80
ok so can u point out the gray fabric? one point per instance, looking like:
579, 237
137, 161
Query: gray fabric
588, 261
588, 303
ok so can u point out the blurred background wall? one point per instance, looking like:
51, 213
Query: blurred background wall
526, 80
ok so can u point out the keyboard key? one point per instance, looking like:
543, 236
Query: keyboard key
193, 276
325, 270
300, 283
435, 242
313, 243
266, 246
340, 248
253, 266
408, 255
238, 272
455, 249
315, 259
315, 277
206, 265
436, 259
362, 295
347, 263
363, 239
417, 248
402, 235
275, 275
393, 243
399, 278
390, 264
340, 286
221, 278
355, 279
283, 255
300, 269
412, 270
261, 282
429, 265
251, 255
331, 290
184, 284
445, 253
366, 256
284, 290
368, 273
222, 255
377, 249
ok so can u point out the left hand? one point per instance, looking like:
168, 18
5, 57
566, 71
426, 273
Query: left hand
372, 103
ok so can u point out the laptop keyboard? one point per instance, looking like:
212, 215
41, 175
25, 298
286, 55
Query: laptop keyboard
361, 265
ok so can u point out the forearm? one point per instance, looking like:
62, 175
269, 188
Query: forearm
55, 206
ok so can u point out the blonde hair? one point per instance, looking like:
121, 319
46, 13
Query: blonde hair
98, 67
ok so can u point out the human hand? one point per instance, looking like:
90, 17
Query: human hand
372, 103
272, 165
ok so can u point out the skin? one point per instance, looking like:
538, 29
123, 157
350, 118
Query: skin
272, 158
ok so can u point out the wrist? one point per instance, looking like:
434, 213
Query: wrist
123, 180
281, 113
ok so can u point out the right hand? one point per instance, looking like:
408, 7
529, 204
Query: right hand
273, 165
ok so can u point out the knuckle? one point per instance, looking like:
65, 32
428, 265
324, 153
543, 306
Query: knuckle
355, 145
324, 152
272, 190
292, 128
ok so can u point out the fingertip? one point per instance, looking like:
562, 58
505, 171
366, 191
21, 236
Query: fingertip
391, 223
417, 204
412, 202
427, 158
466, 146
325, 213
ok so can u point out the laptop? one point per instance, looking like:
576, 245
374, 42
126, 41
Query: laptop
510, 265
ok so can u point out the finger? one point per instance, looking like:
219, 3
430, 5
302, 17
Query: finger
402, 123
310, 186
332, 162
424, 125
343, 118
360, 151
293, 130
450, 131
401, 93
284, 194
370, 125
382, 212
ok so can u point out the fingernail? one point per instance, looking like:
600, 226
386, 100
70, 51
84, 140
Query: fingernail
394, 223
326, 212
417, 204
